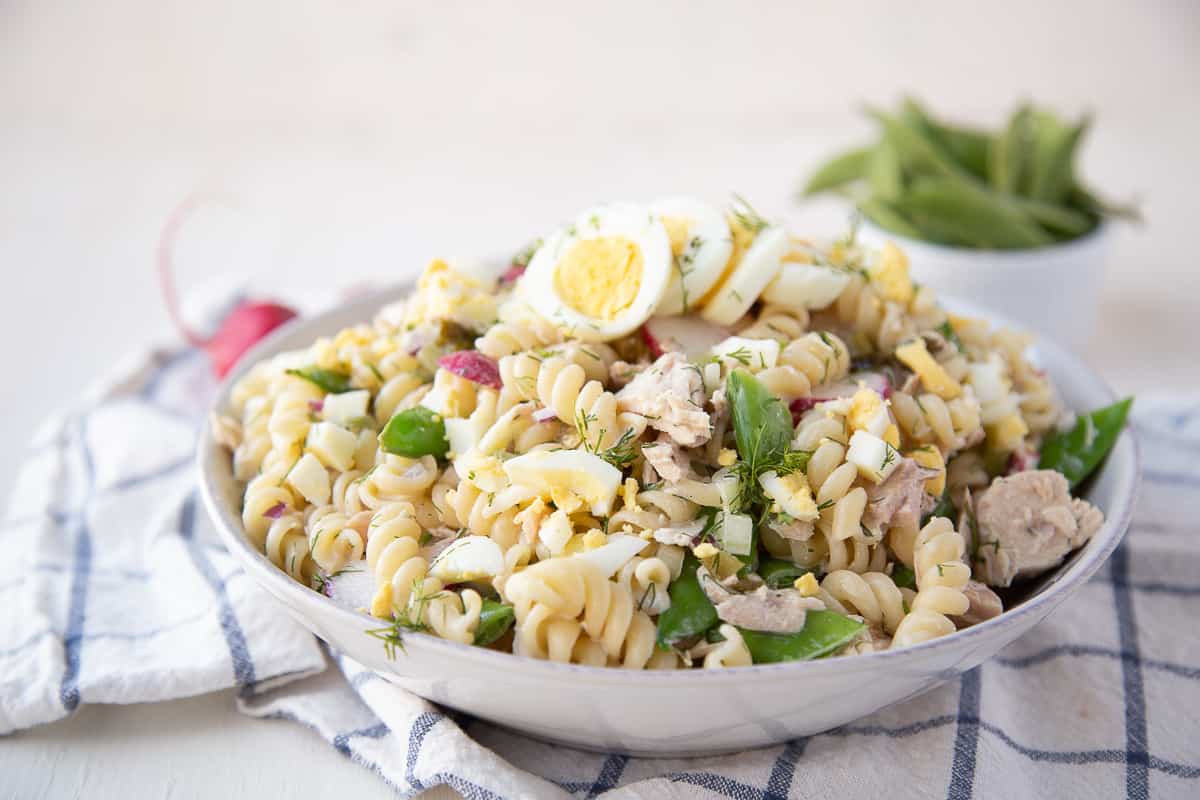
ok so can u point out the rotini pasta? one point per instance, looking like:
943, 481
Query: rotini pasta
583, 459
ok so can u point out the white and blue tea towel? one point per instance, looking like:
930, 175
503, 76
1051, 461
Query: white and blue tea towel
119, 592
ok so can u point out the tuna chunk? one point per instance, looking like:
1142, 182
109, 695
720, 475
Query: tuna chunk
1027, 523
795, 530
670, 394
985, 604
771, 610
667, 458
900, 500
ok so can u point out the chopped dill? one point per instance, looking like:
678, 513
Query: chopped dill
746, 216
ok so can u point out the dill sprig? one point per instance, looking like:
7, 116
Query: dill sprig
411, 620
620, 454
746, 216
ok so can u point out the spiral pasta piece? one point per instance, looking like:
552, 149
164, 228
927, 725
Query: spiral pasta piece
928, 419
873, 596
332, 539
777, 322
507, 338
397, 478
941, 576
731, 652
287, 547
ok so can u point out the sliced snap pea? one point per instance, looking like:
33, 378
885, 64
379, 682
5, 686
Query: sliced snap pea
823, 633
1077, 452
780, 574
327, 380
839, 171
960, 211
494, 620
414, 433
762, 424
691, 612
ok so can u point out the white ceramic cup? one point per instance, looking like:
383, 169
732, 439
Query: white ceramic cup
1053, 291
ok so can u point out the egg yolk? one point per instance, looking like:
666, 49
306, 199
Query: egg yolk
678, 229
742, 237
600, 278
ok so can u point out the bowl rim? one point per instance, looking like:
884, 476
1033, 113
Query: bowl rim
1097, 235
308, 603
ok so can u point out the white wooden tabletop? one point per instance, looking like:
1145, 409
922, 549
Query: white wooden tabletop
338, 144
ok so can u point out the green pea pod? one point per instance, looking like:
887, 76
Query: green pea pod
1060, 219
762, 424
962, 212
904, 577
917, 150
1089, 203
884, 172
823, 633
1052, 157
691, 612
327, 380
839, 171
887, 217
1008, 156
494, 620
1077, 452
414, 433
780, 574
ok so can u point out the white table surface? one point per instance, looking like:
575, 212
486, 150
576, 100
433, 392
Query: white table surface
354, 143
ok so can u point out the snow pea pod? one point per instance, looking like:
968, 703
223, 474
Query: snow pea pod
780, 574
691, 612
327, 380
494, 620
839, 171
414, 433
823, 633
1077, 452
762, 424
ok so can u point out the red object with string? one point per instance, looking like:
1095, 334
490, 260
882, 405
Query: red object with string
246, 324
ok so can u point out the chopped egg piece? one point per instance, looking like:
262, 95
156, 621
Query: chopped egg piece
753, 353
805, 285
700, 248
309, 478
471, 558
342, 408
807, 585
446, 293
1007, 434
333, 444
727, 457
451, 395
931, 458
874, 458
555, 532
933, 375
891, 275
603, 276
868, 412
792, 493
593, 539
565, 474
705, 550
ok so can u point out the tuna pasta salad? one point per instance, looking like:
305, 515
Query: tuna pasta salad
667, 436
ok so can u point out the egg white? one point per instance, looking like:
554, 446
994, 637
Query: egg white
703, 258
634, 223
758, 267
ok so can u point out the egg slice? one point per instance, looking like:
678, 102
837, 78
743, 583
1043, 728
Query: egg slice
757, 256
568, 477
700, 248
602, 277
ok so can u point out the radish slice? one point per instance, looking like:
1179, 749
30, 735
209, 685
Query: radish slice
472, 365
690, 335
242, 328
876, 381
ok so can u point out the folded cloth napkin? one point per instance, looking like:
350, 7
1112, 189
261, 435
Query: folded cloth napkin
119, 592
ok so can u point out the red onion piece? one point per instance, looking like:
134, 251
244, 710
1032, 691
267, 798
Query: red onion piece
544, 415
276, 511
511, 274
843, 389
316, 406
472, 365
651, 342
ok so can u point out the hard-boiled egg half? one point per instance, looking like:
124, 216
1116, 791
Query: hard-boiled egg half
757, 252
700, 248
603, 276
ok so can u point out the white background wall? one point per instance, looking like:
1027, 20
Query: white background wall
355, 140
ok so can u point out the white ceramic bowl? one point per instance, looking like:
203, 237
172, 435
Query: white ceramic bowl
660, 713
1053, 291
